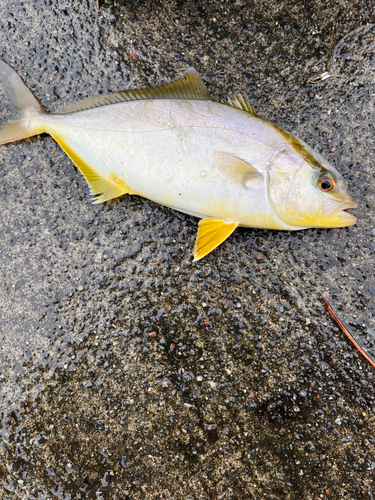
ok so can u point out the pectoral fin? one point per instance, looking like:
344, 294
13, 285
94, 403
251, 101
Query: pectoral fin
211, 232
234, 169
102, 187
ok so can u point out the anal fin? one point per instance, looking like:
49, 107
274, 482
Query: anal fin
102, 187
211, 233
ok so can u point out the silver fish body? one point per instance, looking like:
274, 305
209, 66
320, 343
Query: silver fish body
164, 150
219, 162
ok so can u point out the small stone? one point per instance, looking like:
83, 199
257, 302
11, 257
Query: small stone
302, 394
310, 446
259, 258
187, 377
105, 479
152, 335
210, 427
166, 383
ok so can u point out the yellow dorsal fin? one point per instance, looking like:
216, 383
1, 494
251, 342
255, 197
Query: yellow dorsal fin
234, 169
189, 87
240, 102
103, 188
211, 233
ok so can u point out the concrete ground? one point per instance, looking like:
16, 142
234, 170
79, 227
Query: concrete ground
249, 390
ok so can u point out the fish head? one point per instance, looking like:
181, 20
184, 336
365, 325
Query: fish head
305, 194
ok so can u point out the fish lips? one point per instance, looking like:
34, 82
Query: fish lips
336, 208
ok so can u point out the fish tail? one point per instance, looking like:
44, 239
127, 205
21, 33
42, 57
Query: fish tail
24, 106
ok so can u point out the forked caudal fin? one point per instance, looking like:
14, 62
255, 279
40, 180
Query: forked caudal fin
23, 105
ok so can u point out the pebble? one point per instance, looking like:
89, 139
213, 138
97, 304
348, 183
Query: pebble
166, 383
310, 446
210, 427
187, 377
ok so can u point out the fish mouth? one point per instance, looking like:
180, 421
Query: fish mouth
337, 209
332, 207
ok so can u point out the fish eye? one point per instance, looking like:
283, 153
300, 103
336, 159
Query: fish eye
326, 182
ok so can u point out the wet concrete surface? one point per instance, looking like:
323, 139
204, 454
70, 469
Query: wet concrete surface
126, 371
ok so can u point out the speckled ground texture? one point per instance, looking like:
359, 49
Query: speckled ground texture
248, 390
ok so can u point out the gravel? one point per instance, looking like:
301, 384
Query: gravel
248, 389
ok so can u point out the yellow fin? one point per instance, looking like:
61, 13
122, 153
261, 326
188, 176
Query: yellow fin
103, 188
190, 87
211, 233
240, 102
234, 169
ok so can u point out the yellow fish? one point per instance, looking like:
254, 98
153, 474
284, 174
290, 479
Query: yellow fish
172, 144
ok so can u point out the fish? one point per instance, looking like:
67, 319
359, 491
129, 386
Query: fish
217, 161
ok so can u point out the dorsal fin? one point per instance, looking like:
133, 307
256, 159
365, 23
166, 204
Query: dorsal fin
189, 87
240, 102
